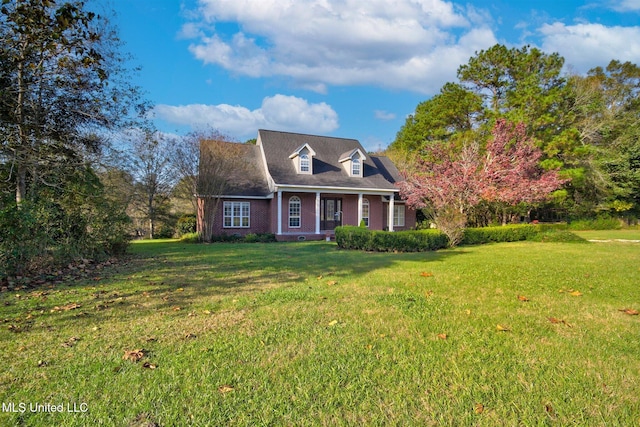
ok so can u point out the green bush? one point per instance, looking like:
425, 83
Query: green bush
186, 224
350, 237
190, 238
563, 236
505, 233
602, 223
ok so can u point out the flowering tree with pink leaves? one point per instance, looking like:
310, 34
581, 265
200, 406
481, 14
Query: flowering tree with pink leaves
511, 172
508, 173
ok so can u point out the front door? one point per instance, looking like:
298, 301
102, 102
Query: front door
330, 213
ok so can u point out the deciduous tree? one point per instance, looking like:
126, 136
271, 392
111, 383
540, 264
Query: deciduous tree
453, 181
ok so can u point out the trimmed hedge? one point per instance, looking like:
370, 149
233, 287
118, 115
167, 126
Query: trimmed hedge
359, 238
351, 237
504, 233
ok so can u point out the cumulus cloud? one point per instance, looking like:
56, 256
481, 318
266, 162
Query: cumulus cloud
585, 46
383, 115
405, 44
626, 5
287, 113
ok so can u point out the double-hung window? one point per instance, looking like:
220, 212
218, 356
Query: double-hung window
365, 211
294, 212
236, 214
355, 167
398, 215
305, 165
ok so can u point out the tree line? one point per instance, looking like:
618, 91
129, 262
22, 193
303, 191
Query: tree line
82, 170
586, 127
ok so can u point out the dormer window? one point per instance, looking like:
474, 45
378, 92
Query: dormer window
305, 166
303, 159
355, 167
353, 162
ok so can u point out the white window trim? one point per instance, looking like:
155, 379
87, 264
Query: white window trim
295, 199
397, 217
231, 217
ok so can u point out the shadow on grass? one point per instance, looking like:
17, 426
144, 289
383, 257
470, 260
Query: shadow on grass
166, 276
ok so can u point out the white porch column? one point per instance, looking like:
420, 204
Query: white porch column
317, 212
391, 200
279, 211
359, 209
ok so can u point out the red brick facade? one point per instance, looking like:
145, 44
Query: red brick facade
263, 215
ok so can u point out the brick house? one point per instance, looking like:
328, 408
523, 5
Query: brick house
303, 186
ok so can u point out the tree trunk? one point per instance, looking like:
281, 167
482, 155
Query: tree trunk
207, 211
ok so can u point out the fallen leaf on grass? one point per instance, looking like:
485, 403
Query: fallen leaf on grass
428, 293
442, 336
331, 282
190, 336
149, 365
523, 298
176, 308
206, 312
549, 410
576, 294
333, 323
133, 355
556, 321
629, 311
479, 408
180, 290
426, 274
70, 342
67, 307
225, 388
502, 328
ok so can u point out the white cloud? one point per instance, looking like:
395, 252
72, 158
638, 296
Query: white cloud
625, 5
585, 46
287, 113
383, 115
406, 44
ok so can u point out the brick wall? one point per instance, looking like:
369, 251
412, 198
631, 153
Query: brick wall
259, 217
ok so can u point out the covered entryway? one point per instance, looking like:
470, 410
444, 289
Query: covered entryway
330, 213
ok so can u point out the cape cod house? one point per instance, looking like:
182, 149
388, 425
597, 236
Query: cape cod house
303, 186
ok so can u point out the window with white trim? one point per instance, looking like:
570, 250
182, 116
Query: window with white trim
365, 211
355, 166
236, 215
294, 212
305, 165
398, 215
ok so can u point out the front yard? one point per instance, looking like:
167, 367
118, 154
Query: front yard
305, 334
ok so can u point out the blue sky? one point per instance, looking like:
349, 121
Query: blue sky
347, 68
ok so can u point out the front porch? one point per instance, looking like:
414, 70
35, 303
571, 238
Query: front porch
303, 214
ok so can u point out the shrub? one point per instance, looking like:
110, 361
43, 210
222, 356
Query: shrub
186, 224
602, 223
563, 236
350, 237
190, 238
504, 233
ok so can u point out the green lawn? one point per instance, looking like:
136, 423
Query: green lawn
625, 234
306, 334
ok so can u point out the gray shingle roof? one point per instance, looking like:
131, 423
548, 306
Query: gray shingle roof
379, 172
249, 179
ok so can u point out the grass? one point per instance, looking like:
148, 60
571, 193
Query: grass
625, 234
305, 334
